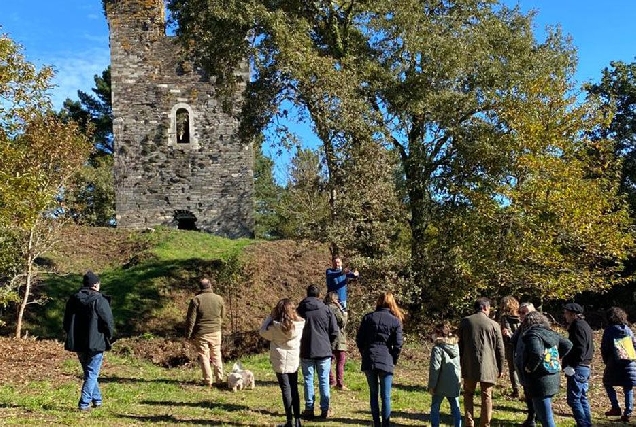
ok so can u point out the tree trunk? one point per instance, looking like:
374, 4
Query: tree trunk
27, 288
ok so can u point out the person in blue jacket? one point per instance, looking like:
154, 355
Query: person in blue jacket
379, 341
337, 279
618, 371
89, 326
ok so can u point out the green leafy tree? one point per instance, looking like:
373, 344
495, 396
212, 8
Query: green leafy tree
434, 82
92, 201
304, 207
39, 154
267, 194
617, 91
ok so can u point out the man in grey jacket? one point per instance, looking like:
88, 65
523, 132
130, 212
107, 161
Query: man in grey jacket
203, 327
482, 356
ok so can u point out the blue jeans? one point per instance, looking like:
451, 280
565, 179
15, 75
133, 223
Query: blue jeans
454, 407
385, 379
577, 396
543, 410
91, 364
322, 366
629, 398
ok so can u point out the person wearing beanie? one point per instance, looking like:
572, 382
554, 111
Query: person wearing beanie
203, 326
89, 326
580, 360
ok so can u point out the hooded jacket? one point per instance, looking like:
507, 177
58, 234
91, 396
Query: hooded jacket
379, 340
617, 372
444, 372
536, 339
320, 330
88, 322
284, 347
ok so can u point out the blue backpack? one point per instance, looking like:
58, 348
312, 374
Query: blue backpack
551, 363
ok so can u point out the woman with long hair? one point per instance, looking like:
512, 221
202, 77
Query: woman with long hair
283, 328
509, 322
379, 341
620, 370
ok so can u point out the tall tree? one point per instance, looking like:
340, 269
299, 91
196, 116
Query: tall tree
267, 195
431, 80
303, 211
92, 201
39, 154
617, 90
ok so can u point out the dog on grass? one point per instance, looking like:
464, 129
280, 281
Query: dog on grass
240, 378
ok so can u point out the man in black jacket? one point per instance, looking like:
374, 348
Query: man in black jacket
320, 330
89, 327
580, 359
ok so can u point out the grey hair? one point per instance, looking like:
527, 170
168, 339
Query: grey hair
528, 305
536, 318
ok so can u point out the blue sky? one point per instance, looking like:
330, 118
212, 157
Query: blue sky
72, 35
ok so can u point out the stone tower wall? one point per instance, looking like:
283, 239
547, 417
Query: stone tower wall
157, 178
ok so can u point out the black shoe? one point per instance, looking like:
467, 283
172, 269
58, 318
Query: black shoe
308, 414
529, 423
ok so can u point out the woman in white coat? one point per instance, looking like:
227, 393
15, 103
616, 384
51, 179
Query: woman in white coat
283, 329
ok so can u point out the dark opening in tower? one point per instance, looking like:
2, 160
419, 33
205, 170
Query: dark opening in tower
183, 126
185, 220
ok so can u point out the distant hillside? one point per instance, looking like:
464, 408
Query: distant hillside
152, 275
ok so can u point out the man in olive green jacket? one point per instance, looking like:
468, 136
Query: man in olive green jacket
203, 327
482, 354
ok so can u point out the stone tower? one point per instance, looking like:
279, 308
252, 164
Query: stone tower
177, 159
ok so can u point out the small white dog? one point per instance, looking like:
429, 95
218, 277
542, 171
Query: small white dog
240, 378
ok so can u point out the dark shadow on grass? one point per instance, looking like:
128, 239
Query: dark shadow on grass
209, 404
169, 419
134, 292
129, 380
410, 388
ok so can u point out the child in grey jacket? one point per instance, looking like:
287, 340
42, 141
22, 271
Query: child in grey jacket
444, 374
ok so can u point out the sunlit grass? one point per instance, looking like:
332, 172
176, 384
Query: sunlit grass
137, 392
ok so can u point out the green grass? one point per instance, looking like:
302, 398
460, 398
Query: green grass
138, 393
180, 245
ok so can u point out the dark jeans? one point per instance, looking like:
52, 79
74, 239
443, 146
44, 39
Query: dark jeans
289, 388
338, 358
385, 380
531, 413
577, 396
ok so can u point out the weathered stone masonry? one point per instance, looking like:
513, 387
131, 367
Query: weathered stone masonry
177, 159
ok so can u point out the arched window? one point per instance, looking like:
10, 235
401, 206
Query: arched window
183, 126
181, 131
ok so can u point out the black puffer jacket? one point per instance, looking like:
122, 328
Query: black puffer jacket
320, 330
88, 322
379, 340
536, 339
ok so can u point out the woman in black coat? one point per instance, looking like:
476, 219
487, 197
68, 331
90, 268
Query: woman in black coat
618, 372
379, 341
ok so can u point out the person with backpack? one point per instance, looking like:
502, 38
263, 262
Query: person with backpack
444, 374
542, 348
617, 351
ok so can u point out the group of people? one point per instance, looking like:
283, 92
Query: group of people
536, 355
312, 337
